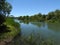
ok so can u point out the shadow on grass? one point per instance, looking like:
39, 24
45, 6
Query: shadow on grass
4, 29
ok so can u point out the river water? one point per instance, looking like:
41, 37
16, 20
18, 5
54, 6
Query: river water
46, 31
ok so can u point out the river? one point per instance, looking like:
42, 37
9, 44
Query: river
46, 31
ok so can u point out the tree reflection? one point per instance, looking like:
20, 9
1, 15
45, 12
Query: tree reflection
54, 26
37, 23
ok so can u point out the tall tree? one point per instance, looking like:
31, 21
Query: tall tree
2, 14
8, 8
5, 9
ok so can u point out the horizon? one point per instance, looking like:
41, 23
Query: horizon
31, 7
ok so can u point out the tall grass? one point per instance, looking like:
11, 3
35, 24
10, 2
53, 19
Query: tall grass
14, 28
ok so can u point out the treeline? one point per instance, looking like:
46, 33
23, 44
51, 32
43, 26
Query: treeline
53, 16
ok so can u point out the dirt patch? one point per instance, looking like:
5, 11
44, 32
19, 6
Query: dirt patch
6, 41
2, 43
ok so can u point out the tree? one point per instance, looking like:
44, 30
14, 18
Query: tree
2, 19
50, 15
5, 9
2, 3
2, 14
8, 8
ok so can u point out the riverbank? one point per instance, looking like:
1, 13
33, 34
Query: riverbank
14, 28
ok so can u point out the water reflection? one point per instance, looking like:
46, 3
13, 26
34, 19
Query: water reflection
25, 22
54, 26
38, 31
45, 30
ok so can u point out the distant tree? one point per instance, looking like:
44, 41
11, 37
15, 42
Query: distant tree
20, 18
27, 17
39, 14
43, 17
50, 15
57, 13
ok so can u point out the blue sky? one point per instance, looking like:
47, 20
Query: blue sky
31, 7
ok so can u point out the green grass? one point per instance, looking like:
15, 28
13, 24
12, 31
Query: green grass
14, 28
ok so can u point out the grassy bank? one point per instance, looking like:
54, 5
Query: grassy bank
14, 28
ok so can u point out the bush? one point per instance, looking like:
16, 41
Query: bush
2, 19
4, 29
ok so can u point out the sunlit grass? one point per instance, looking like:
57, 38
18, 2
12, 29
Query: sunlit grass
14, 28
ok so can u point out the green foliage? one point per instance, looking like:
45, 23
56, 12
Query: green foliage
13, 28
8, 8
3, 27
10, 21
50, 17
2, 19
5, 9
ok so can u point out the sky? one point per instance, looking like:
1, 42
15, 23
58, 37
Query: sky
31, 7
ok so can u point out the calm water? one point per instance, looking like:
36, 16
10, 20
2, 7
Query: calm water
42, 29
